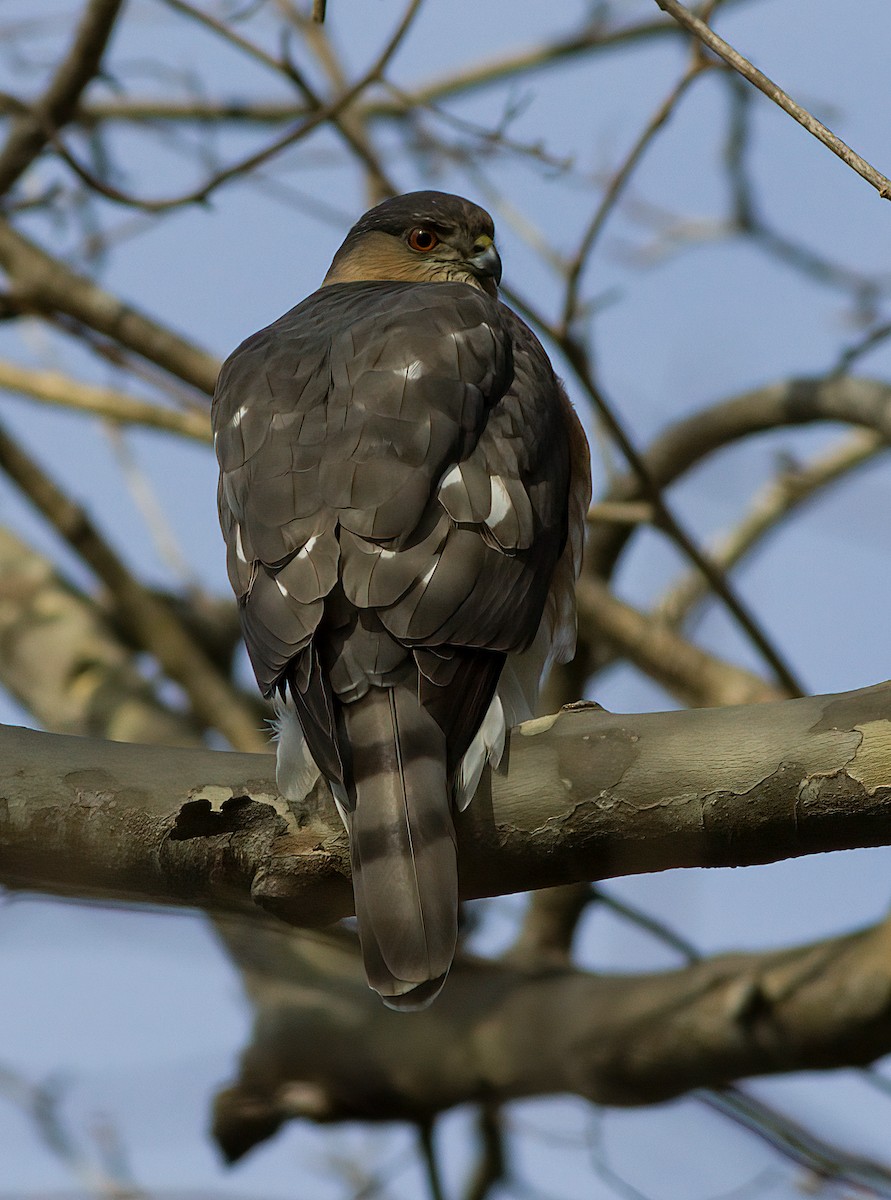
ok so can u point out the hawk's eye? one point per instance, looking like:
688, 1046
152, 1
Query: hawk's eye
422, 239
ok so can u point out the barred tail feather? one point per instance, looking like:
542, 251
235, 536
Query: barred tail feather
402, 845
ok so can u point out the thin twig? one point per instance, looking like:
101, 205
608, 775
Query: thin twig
245, 165
734, 59
614, 189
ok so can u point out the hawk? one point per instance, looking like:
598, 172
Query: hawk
403, 488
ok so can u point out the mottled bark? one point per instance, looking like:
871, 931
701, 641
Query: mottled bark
588, 795
324, 1048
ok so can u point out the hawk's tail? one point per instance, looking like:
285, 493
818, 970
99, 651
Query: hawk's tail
402, 845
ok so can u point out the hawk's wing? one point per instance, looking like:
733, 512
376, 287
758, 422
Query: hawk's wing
394, 492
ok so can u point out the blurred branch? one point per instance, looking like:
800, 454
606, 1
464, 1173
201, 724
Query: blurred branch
748, 220
42, 1103
487, 73
826, 1160
550, 925
691, 674
793, 487
148, 620
34, 125
250, 162
614, 189
491, 1168
40, 283
853, 401
324, 1048
664, 518
592, 37
52, 387
340, 119
734, 59
63, 662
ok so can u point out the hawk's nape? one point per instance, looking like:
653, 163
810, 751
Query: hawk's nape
403, 486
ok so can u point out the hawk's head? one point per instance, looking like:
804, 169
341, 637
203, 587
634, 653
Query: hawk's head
428, 237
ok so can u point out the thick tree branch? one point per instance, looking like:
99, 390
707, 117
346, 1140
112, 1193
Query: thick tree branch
588, 795
326, 1050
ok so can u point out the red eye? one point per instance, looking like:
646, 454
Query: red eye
422, 239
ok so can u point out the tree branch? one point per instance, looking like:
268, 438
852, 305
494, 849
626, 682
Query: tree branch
52, 387
691, 674
734, 59
325, 1049
588, 795
793, 487
150, 622
791, 402
34, 127
62, 661
41, 283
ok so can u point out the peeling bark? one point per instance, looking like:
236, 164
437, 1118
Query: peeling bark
588, 795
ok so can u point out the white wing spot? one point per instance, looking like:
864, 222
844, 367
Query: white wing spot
429, 575
307, 549
499, 503
239, 545
281, 587
412, 370
452, 475
239, 416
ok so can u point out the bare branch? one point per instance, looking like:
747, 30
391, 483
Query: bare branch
614, 189
64, 663
793, 487
667, 521
587, 795
34, 127
792, 402
693, 675
775, 93
150, 622
43, 284
52, 387
256, 159
620, 1039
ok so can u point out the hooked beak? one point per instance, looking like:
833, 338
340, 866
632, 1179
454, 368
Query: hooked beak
486, 264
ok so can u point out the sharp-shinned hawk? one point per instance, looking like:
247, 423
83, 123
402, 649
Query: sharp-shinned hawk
403, 491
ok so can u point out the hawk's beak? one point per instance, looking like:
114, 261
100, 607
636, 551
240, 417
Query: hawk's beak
486, 264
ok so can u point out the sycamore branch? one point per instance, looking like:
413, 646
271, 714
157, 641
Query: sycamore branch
588, 795
324, 1048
